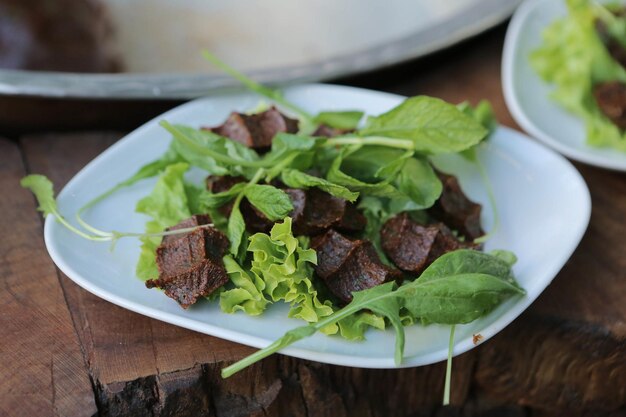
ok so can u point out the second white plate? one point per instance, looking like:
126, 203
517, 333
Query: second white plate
543, 203
527, 95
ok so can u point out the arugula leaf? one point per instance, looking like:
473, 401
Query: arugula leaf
274, 203
211, 152
339, 119
43, 190
298, 179
433, 125
252, 85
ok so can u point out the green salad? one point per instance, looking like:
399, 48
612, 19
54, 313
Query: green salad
584, 56
402, 245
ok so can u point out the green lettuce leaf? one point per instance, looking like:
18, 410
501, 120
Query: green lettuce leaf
285, 267
573, 59
167, 204
247, 295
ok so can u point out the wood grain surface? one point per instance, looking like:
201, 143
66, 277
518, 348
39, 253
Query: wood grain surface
70, 353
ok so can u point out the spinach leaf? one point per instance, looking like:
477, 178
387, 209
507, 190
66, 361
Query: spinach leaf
209, 200
418, 181
380, 189
274, 203
460, 287
298, 179
433, 125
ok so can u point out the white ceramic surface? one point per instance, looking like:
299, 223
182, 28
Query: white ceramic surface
543, 202
527, 95
274, 41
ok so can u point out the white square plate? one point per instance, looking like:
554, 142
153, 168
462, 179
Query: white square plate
543, 203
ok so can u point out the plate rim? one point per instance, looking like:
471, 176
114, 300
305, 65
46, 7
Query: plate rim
516, 109
465, 24
306, 353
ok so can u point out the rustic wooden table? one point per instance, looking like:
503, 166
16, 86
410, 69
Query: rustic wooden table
65, 352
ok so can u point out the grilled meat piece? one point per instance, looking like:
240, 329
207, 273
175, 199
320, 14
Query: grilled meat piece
330, 132
190, 266
193, 221
413, 247
611, 99
347, 265
323, 211
181, 254
199, 281
256, 131
613, 45
455, 210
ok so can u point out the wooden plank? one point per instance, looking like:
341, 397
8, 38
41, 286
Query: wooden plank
141, 365
42, 372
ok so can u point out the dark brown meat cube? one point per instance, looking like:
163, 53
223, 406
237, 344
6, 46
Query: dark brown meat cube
613, 45
199, 281
611, 99
456, 210
193, 221
332, 250
352, 220
323, 211
182, 254
329, 132
298, 199
349, 265
220, 183
257, 130
413, 247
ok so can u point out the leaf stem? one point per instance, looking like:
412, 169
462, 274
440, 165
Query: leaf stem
372, 140
289, 337
446, 388
270, 93
492, 201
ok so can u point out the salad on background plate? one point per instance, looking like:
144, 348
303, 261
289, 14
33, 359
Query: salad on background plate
564, 77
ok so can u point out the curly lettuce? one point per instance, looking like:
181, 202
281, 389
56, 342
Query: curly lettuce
573, 59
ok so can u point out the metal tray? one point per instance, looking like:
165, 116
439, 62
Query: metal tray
275, 41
